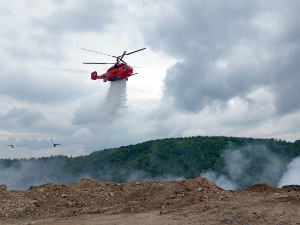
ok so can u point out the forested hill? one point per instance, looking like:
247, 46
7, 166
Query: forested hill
171, 157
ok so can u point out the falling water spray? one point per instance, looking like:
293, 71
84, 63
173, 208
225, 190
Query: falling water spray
116, 96
115, 100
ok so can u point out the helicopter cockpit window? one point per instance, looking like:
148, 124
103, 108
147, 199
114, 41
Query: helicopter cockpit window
123, 67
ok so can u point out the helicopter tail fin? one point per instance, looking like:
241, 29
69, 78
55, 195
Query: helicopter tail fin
94, 75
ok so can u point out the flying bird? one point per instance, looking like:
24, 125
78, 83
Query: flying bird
11, 146
54, 144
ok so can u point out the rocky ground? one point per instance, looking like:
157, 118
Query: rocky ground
195, 201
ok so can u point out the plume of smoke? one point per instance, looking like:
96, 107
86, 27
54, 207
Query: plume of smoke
236, 164
247, 166
292, 175
220, 180
273, 170
32, 173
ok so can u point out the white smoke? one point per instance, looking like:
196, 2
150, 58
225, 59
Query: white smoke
236, 164
220, 180
248, 166
292, 175
26, 173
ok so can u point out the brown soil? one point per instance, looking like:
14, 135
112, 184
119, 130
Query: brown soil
195, 201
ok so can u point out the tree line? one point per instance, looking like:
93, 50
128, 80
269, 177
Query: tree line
177, 157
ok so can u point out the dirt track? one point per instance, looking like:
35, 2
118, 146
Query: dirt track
195, 201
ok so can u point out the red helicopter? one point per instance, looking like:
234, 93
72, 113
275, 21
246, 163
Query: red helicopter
117, 72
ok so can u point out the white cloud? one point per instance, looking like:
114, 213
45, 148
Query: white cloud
83, 134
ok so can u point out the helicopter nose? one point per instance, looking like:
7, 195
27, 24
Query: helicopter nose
130, 70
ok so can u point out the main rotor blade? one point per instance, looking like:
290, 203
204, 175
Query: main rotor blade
135, 51
97, 63
98, 52
122, 56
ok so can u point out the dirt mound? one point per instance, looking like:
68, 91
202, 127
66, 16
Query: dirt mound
3, 187
291, 187
195, 201
91, 196
262, 187
91, 185
87, 183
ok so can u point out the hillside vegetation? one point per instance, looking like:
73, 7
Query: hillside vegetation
155, 159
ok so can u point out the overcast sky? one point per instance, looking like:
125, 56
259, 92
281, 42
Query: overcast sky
229, 68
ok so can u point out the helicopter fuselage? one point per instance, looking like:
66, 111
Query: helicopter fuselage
117, 72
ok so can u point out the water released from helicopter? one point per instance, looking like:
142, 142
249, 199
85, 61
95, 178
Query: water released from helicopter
116, 98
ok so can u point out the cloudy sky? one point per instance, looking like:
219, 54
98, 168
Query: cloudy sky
213, 68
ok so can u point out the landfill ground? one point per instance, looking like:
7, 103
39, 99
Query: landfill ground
193, 201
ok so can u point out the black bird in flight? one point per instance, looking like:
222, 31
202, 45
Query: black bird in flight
11, 146
54, 144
